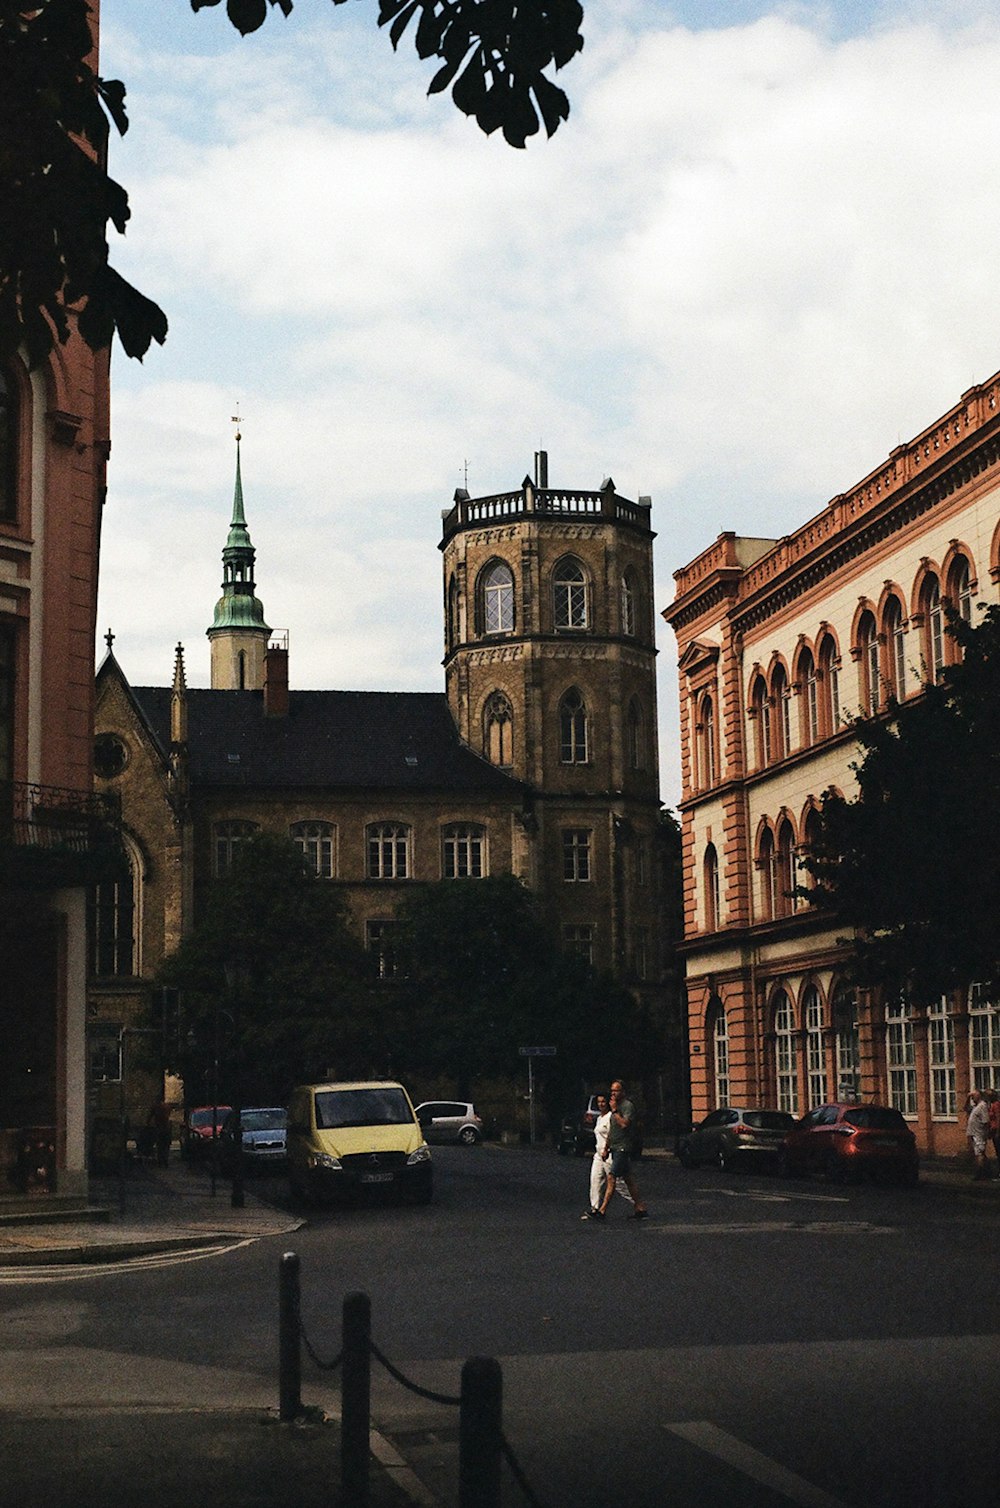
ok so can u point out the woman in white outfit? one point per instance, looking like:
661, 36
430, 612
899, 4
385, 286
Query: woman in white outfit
602, 1157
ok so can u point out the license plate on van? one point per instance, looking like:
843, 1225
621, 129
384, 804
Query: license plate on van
376, 1178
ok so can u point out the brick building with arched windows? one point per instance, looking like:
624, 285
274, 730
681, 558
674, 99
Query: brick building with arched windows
781, 645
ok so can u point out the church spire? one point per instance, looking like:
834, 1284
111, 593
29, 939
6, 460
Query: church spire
238, 634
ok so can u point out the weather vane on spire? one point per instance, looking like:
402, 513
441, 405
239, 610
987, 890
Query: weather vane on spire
237, 421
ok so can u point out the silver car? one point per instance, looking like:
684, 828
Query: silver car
733, 1137
450, 1120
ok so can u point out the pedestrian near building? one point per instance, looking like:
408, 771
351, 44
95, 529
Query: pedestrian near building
620, 1141
601, 1160
977, 1129
994, 1111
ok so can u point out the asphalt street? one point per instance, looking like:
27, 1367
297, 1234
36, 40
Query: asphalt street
770, 1342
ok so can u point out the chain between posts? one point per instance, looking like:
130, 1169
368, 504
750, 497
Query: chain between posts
466, 1401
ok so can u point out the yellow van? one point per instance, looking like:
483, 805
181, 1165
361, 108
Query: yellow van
356, 1137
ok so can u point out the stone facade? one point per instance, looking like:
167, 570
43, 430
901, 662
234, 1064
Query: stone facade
781, 644
384, 790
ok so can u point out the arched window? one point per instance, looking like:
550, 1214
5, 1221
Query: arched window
463, 851
113, 906
900, 1060
941, 1060
781, 696
784, 879
811, 828
785, 1064
498, 730
454, 632
933, 613
812, 1013
227, 837
316, 840
497, 599
388, 851
9, 431
720, 1055
635, 736
984, 1039
847, 1043
809, 699
760, 712
8, 647
766, 865
895, 636
829, 671
711, 877
706, 743
868, 678
569, 595
629, 599
573, 728
960, 588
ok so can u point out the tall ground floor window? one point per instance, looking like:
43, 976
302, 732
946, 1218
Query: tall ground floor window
941, 1055
900, 1060
720, 1053
786, 1069
847, 1043
984, 1039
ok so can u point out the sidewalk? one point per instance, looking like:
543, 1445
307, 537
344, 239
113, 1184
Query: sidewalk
150, 1210
140, 1445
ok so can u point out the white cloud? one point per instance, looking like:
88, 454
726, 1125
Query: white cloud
754, 260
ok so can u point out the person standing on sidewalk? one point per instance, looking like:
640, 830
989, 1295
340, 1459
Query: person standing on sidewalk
620, 1135
994, 1111
977, 1129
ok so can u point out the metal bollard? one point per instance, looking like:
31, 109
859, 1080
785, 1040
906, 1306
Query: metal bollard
289, 1338
480, 1433
355, 1400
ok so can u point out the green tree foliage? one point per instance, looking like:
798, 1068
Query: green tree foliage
55, 117
299, 1001
479, 976
57, 197
912, 866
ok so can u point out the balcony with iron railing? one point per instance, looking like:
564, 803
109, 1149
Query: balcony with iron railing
52, 837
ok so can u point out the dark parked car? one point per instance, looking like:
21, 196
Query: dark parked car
264, 1139
450, 1120
734, 1138
196, 1132
846, 1141
576, 1131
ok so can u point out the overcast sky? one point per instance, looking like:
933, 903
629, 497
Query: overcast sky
759, 255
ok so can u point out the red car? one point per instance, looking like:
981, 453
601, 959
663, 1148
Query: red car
845, 1141
196, 1133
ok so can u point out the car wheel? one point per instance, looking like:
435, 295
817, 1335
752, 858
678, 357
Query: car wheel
725, 1160
833, 1169
468, 1136
783, 1167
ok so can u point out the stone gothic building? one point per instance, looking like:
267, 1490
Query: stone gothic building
539, 759
782, 643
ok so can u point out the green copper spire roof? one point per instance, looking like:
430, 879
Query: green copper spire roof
238, 607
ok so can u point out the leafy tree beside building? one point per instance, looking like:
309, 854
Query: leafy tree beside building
912, 865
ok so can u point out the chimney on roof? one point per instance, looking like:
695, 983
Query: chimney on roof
276, 677
541, 468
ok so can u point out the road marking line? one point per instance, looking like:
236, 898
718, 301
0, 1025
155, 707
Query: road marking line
68, 1272
399, 1472
777, 1198
760, 1468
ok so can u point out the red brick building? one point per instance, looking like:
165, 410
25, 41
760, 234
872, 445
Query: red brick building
54, 447
781, 644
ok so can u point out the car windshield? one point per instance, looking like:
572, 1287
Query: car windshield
204, 1117
263, 1120
769, 1120
361, 1107
875, 1118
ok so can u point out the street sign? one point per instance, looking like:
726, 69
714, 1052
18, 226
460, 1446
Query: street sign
537, 1052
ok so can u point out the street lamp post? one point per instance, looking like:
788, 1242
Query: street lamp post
235, 980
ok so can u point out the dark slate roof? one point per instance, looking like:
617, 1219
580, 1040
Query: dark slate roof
386, 739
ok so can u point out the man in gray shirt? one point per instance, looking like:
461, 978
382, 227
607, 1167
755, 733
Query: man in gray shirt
620, 1146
